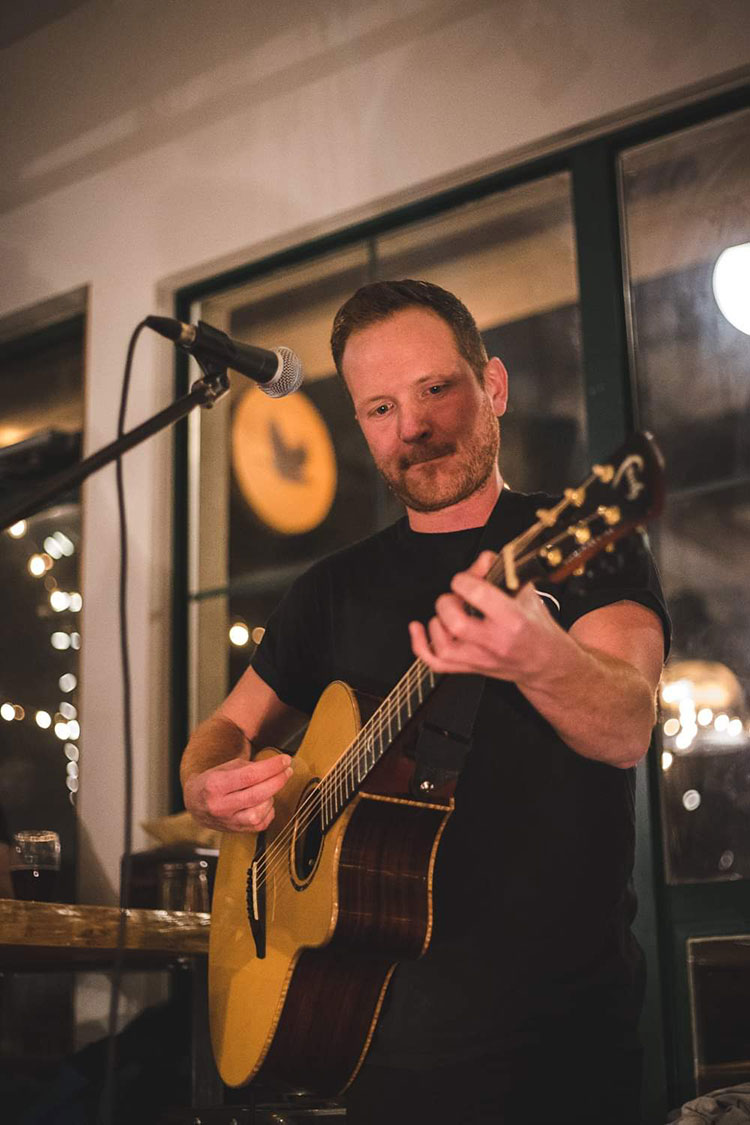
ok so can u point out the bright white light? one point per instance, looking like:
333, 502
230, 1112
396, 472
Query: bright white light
239, 634
67, 682
75, 640
67, 710
71, 752
43, 719
731, 285
679, 689
62, 731
735, 727
666, 760
671, 727
691, 799
8, 712
60, 641
687, 710
683, 740
59, 600
721, 722
71, 769
76, 602
17, 530
705, 716
37, 566
65, 544
74, 731
72, 784
52, 547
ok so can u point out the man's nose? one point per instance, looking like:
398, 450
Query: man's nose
414, 424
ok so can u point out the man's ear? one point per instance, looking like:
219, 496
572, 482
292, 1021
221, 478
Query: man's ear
496, 384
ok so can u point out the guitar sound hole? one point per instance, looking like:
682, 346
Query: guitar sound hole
308, 836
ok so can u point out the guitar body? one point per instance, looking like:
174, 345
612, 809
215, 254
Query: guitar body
338, 910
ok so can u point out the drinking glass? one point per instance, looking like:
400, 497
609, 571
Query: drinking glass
35, 864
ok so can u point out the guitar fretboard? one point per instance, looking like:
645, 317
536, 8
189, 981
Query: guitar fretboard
380, 731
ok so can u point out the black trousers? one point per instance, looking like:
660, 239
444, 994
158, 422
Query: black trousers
571, 1084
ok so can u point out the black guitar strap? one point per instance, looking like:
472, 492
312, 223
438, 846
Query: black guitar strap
447, 726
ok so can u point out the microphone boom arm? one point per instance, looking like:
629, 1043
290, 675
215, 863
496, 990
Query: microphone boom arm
204, 392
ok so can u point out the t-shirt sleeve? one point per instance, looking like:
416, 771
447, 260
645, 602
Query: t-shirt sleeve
291, 658
628, 574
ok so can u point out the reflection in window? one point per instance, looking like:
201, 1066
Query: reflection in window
686, 203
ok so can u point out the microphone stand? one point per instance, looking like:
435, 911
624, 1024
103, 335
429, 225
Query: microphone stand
204, 392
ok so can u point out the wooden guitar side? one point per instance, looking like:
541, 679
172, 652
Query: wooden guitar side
305, 1012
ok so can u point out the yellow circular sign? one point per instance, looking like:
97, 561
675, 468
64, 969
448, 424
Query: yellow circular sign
284, 460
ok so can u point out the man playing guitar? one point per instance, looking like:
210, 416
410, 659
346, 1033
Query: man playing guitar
532, 980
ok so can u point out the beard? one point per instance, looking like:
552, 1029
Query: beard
429, 489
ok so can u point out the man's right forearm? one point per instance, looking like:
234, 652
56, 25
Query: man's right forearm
216, 740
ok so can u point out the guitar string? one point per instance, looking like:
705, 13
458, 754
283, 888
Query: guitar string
344, 768
348, 762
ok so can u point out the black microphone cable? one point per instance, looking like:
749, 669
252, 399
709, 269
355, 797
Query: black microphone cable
107, 1101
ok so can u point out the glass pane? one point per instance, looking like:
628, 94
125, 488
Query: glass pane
511, 259
41, 387
685, 204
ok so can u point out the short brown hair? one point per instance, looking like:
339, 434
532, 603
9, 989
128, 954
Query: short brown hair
380, 299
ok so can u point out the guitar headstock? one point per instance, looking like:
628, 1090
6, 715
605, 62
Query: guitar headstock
619, 494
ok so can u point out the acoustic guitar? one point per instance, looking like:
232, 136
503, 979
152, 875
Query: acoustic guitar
311, 916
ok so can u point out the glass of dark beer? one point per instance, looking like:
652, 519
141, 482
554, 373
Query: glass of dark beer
35, 864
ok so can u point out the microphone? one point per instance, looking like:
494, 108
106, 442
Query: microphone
277, 372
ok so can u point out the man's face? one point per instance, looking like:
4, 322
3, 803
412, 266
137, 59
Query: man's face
431, 428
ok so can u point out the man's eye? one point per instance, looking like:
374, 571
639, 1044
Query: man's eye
436, 388
382, 409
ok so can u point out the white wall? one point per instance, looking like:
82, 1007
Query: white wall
144, 144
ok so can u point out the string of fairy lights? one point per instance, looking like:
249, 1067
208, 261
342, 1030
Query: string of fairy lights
62, 721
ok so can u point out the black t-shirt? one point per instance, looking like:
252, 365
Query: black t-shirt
532, 897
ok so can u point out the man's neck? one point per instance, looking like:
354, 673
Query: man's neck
474, 511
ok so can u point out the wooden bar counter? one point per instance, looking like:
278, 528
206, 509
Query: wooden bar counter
58, 935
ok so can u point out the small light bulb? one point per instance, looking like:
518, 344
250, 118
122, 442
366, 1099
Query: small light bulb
17, 530
8, 712
239, 634
67, 682
59, 600
43, 719
731, 283
52, 547
65, 544
37, 566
